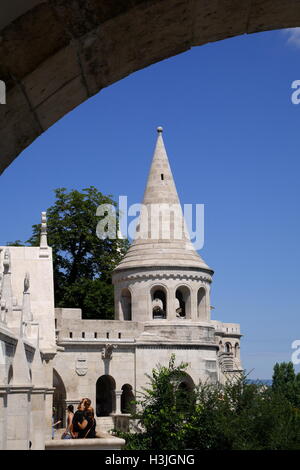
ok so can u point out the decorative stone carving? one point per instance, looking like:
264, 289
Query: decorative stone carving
81, 366
2, 311
120, 277
26, 282
27, 315
7, 262
108, 350
6, 293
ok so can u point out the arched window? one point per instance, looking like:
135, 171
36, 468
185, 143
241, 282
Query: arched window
184, 392
228, 347
201, 302
159, 303
105, 395
183, 302
127, 398
125, 302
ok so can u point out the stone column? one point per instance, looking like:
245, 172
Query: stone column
171, 311
18, 417
48, 413
3, 417
118, 402
207, 298
19, 403
194, 305
44, 249
48, 363
37, 434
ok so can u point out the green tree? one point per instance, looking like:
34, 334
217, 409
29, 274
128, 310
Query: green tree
242, 416
287, 383
234, 416
82, 262
161, 414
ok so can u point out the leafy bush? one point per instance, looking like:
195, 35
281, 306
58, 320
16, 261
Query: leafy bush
235, 416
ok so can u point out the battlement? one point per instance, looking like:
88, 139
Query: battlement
227, 329
70, 326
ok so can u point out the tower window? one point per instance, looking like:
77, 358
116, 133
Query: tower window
161, 176
95, 335
83, 335
71, 334
183, 302
107, 335
159, 303
119, 335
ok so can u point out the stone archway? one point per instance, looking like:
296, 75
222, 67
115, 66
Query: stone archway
184, 392
59, 400
105, 395
56, 54
159, 302
183, 302
126, 399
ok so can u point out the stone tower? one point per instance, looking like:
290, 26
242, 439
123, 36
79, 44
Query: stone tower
162, 278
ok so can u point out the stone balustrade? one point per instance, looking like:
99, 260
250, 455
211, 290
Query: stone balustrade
102, 442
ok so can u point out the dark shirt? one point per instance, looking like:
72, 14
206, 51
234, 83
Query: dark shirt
90, 430
77, 418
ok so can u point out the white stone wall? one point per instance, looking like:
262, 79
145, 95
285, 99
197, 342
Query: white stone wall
25, 389
27, 259
149, 356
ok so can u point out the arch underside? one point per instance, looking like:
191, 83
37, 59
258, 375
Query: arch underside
59, 399
105, 395
61, 52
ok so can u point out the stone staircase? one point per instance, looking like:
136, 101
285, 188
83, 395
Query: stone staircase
104, 423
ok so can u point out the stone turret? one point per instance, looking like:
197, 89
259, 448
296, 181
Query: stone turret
162, 276
6, 290
44, 248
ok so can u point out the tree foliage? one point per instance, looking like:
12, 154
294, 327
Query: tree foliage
82, 262
235, 416
286, 382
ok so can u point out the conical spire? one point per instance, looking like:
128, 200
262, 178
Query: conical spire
160, 186
161, 236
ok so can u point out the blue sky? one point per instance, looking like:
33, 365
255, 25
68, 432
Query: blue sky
232, 136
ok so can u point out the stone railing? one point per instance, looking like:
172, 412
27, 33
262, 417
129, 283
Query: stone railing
102, 442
